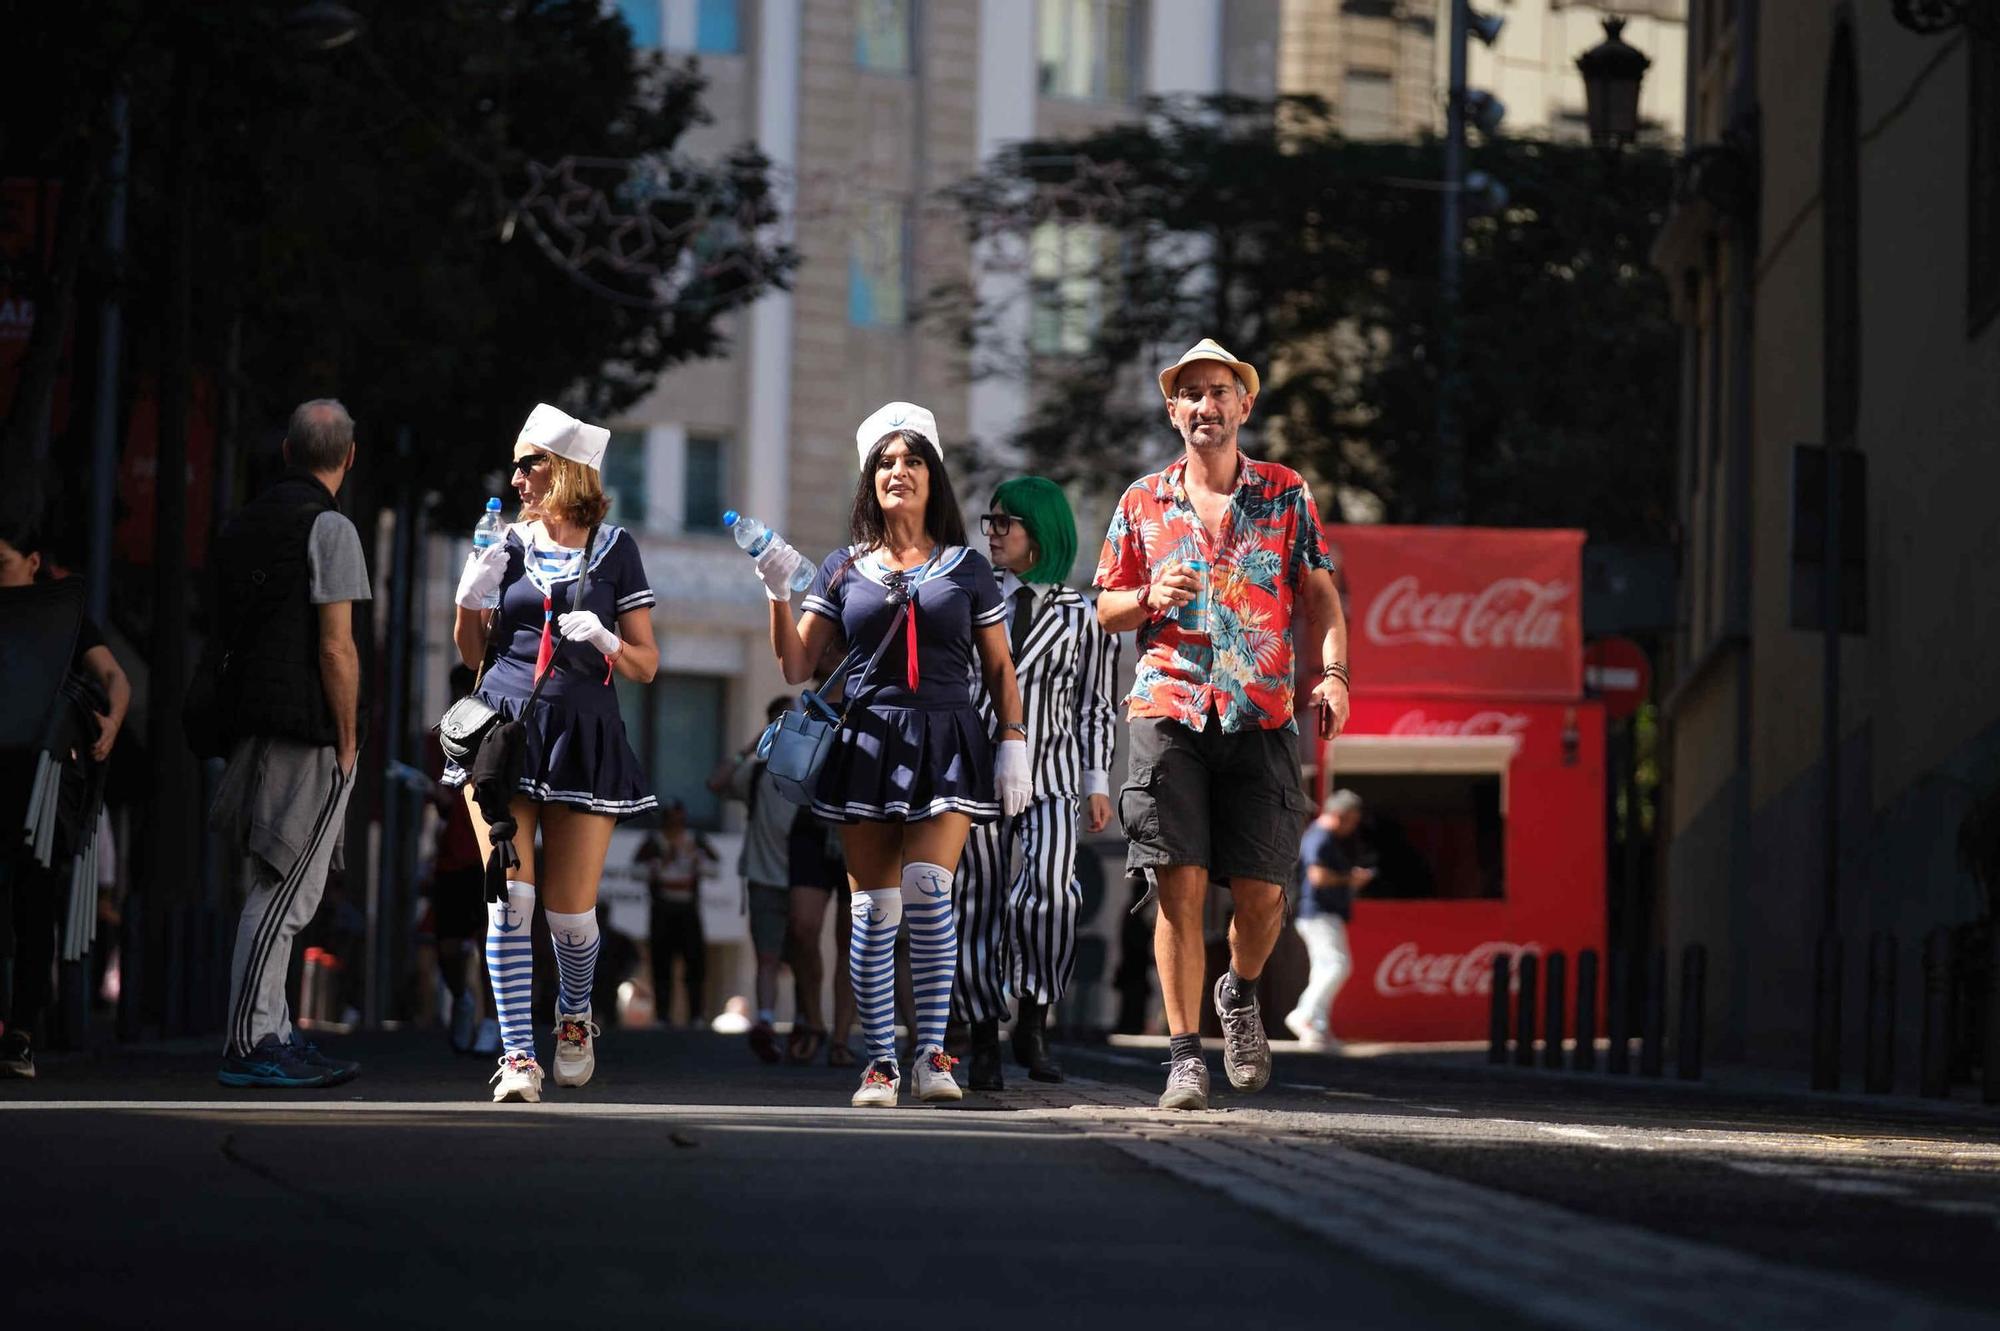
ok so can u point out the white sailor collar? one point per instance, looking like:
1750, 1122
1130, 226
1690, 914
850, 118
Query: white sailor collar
607, 537
870, 565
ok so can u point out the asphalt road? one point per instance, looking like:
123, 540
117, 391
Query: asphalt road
688, 1186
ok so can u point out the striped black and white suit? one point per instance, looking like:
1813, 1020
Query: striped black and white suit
1018, 896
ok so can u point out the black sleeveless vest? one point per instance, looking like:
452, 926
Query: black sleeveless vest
267, 618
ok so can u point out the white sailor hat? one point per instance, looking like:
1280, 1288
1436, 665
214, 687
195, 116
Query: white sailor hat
555, 431
894, 416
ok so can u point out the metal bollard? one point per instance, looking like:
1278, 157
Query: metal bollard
1584, 1059
1496, 1016
1618, 1013
1553, 1023
1878, 1067
1524, 1024
1653, 1016
1934, 1076
1687, 1041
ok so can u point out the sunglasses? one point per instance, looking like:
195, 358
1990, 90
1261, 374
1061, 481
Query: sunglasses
522, 466
997, 524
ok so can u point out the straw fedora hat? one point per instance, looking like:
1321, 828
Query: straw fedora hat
1208, 349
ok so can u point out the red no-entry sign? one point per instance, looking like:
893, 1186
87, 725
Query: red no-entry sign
1616, 670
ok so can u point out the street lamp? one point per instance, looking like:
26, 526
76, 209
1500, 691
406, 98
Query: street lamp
1612, 71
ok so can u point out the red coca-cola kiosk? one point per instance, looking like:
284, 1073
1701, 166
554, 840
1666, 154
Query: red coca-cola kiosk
1480, 764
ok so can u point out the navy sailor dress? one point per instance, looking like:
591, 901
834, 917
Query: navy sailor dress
913, 745
576, 751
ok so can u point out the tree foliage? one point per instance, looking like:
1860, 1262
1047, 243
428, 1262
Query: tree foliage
386, 222
1316, 258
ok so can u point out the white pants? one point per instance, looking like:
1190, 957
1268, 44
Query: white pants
1326, 946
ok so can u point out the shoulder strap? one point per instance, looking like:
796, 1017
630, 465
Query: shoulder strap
902, 614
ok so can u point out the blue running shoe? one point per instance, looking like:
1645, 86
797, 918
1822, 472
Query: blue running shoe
337, 1070
271, 1063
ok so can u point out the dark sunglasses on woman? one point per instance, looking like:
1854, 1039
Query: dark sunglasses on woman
997, 524
522, 466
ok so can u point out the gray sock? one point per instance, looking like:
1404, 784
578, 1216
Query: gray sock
1236, 991
1184, 1046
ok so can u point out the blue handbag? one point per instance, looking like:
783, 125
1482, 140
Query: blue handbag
794, 747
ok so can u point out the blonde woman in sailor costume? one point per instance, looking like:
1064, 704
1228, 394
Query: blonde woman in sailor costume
579, 776
914, 767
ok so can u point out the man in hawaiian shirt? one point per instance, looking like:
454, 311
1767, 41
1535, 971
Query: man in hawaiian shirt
1214, 561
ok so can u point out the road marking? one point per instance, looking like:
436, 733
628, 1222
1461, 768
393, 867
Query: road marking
1562, 1130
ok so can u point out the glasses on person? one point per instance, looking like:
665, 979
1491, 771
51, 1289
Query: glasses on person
522, 466
998, 524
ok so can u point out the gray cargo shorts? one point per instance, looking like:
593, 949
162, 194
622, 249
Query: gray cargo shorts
1233, 803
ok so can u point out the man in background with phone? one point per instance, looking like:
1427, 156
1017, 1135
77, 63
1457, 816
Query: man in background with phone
1220, 565
1330, 873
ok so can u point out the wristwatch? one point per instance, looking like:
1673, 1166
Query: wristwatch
1021, 726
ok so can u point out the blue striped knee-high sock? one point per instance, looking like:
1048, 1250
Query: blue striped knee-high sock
927, 892
871, 960
510, 964
576, 943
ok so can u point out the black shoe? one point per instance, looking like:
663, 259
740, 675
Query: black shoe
16, 1058
1031, 1044
984, 1074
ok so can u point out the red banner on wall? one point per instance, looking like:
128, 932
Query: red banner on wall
1462, 610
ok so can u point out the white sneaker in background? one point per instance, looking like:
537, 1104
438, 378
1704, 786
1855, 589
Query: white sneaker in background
576, 1048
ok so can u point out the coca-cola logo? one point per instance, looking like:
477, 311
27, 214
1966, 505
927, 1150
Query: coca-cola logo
1511, 614
1417, 722
1409, 971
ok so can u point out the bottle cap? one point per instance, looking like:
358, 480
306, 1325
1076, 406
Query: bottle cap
493, 504
729, 517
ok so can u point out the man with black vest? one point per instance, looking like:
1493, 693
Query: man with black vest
289, 569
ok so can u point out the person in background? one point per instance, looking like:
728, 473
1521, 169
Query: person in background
291, 572
1017, 929
31, 895
765, 865
674, 856
1330, 873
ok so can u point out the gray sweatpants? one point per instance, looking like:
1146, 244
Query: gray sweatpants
283, 804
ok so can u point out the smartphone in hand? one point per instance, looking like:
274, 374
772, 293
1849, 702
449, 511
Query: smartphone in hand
1326, 720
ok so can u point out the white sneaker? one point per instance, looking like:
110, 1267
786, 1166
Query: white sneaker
519, 1080
1315, 1040
878, 1087
934, 1079
576, 1049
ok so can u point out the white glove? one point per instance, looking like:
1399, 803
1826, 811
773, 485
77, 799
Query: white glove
774, 568
585, 627
1011, 780
483, 571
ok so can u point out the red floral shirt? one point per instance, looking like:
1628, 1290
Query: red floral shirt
1243, 665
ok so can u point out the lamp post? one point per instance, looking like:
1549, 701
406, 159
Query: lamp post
1487, 111
1612, 71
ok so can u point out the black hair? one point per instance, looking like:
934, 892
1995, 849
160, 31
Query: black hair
776, 708
943, 522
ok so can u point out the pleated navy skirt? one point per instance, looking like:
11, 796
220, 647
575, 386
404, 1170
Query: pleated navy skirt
906, 764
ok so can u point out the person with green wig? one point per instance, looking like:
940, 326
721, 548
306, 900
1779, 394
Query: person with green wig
1017, 931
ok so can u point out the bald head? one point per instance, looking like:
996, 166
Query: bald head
320, 438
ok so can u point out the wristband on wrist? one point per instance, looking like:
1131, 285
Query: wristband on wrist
1021, 726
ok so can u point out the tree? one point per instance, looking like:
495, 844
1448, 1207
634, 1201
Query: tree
1315, 258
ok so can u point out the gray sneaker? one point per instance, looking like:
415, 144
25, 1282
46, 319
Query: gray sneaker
1187, 1084
1246, 1054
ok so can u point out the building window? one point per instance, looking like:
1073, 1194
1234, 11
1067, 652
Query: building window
716, 28
687, 742
1983, 181
705, 486
1066, 287
1088, 49
624, 478
643, 18
876, 265
1368, 104
882, 35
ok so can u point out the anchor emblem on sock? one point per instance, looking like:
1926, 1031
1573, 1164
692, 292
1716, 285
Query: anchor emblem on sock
935, 886
509, 922
874, 915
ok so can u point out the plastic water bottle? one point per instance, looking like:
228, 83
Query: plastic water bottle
753, 538
489, 527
